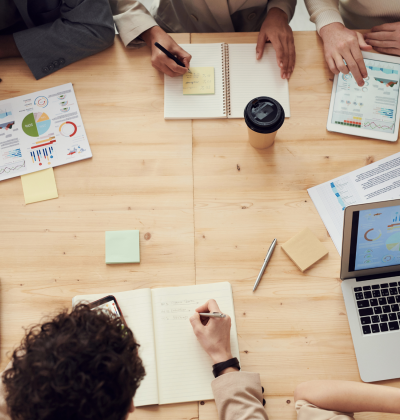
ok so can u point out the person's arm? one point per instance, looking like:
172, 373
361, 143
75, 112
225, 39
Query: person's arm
131, 19
340, 43
276, 29
385, 38
349, 397
84, 28
238, 395
137, 27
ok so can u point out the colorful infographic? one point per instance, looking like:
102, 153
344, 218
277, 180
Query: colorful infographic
41, 130
36, 124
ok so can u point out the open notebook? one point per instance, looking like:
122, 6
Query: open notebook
177, 368
239, 77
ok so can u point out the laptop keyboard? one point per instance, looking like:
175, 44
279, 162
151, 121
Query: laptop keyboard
378, 307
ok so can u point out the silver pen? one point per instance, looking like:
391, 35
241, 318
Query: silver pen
264, 266
213, 315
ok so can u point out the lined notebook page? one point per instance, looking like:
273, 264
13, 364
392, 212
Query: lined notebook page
250, 78
136, 308
184, 368
177, 105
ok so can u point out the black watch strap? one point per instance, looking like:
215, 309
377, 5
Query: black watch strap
219, 367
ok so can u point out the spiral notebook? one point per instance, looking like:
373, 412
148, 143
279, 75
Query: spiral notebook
239, 77
177, 368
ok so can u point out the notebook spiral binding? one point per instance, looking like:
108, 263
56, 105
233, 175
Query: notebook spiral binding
226, 83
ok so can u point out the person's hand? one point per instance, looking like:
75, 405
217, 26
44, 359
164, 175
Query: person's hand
158, 59
342, 43
385, 38
276, 29
213, 333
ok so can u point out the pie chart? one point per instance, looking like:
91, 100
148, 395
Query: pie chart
68, 129
372, 235
393, 242
35, 124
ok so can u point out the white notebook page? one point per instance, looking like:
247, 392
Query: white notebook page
136, 308
178, 105
184, 368
250, 78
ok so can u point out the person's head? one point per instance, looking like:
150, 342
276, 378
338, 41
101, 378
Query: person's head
82, 365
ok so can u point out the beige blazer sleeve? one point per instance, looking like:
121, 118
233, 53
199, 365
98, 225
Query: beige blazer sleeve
238, 396
131, 19
307, 411
323, 12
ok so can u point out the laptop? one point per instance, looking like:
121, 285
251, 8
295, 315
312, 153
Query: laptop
370, 270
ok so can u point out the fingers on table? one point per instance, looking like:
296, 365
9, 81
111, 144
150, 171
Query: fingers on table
385, 27
262, 39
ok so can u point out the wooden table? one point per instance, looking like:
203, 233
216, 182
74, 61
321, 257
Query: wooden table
207, 206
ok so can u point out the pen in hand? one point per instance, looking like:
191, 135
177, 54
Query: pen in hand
170, 55
212, 314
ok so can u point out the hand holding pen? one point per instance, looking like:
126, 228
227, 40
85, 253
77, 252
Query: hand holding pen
160, 60
213, 332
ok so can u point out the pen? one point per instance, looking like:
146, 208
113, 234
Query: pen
213, 315
264, 266
169, 55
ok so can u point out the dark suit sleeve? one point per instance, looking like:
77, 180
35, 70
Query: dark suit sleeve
84, 28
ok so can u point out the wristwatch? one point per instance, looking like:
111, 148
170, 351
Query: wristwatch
219, 367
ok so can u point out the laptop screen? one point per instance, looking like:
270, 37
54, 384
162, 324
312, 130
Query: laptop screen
375, 238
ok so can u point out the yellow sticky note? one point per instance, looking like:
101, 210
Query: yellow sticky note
39, 186
199, 82
304, 249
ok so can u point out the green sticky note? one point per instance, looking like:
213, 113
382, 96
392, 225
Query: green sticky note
122, 246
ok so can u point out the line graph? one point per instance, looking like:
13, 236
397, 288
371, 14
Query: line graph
372, 126
15, 166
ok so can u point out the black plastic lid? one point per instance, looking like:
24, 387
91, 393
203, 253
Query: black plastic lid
264, 115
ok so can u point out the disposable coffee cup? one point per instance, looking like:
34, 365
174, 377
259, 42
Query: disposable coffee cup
264, 116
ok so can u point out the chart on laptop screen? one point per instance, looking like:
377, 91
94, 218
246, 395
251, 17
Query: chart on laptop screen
378, 238
373, 106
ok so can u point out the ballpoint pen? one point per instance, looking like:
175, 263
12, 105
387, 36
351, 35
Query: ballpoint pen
213, 315
170, 55
264, 266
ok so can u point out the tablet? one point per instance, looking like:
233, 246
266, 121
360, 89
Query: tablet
372, 110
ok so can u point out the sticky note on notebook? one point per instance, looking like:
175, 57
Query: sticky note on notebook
39, 186
304, 249
199, 82
122, 246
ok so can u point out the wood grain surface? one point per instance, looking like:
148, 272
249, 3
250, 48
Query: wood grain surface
294, 327
207, 206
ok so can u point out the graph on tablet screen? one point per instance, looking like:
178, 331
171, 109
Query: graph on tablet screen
372, 106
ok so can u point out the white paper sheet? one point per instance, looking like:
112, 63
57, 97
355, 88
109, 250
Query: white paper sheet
379, 181
41, 130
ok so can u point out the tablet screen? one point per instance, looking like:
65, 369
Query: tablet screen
375, 238
373, 106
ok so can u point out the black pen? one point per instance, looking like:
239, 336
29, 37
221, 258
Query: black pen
169, 55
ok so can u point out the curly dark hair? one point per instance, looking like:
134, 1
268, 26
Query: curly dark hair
82, 365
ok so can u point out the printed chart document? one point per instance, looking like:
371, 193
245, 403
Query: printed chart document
41, 130
177, 368
378, 181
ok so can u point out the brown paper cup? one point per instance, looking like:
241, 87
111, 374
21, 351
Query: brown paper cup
259, 140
